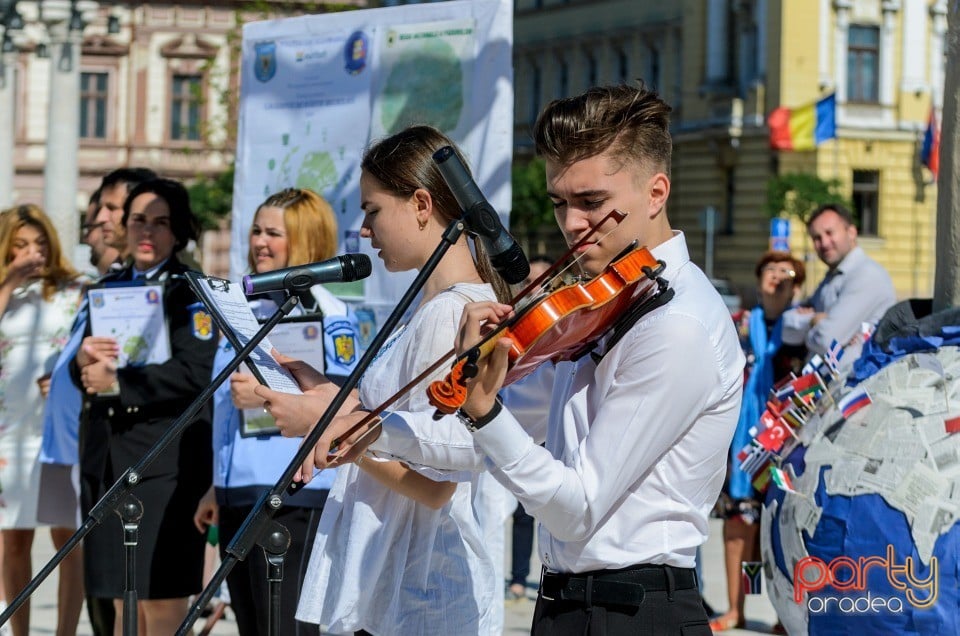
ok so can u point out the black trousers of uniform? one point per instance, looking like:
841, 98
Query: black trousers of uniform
249, 591
661, 613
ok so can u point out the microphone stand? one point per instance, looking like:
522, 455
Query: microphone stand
271, 501
118, 494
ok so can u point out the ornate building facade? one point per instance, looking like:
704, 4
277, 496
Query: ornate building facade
142, 83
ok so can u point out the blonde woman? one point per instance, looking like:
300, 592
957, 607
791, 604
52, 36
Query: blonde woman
39, 295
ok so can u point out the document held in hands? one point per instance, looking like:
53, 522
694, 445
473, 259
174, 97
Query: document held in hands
131, 314
228, 305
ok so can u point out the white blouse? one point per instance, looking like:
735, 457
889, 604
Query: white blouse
382, 562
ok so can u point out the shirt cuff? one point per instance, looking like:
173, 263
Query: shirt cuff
503, 440
388, 420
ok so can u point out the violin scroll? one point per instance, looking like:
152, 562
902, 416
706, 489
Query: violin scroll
449, 394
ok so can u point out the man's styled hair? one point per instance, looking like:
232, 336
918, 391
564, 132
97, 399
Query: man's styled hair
633, 123
129, 177
837, 208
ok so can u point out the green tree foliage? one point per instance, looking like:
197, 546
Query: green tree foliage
212, 197
531, 205
797, 194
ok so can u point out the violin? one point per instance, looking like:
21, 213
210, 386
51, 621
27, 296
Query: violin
557, 326
561, 325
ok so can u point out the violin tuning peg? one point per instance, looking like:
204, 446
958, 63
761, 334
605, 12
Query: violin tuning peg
470, 370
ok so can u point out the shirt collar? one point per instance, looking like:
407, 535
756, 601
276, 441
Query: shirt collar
673, 252
854, 257
150, 273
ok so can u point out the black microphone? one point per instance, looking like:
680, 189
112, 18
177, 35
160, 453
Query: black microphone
345, 268
481, 219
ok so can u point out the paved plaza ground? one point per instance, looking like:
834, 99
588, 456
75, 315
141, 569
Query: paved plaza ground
760, 614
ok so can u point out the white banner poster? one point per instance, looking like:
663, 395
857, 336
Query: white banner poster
316, 90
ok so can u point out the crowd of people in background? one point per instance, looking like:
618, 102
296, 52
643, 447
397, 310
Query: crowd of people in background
404, 533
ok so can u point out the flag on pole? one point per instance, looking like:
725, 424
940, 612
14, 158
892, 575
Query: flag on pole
781, 479
803, 128
751, 576
834, 353
853, 402
930, 152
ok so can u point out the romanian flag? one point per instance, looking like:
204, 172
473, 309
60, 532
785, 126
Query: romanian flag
930, 152
803, 128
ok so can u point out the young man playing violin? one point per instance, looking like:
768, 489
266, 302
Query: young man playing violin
637, 432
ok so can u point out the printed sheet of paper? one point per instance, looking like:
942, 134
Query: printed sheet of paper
133, 316
298, 338
229, 307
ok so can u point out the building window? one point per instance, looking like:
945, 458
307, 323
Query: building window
535, 81
653, 68
863, 64
185, 107
93, 105
623, 70
866, 201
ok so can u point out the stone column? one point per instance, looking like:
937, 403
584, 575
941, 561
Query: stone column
64, 20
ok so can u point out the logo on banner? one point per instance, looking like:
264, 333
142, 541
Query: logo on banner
849, 578
265, 61
355, 52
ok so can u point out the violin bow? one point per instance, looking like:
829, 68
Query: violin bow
550, 272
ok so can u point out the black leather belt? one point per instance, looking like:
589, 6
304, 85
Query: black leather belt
615, 587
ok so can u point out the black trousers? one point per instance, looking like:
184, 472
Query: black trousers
662, 612
249, 592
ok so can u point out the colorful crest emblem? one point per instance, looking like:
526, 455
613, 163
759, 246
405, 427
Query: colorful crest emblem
310, 332
265, 61
355, 52
96, 300
153, 297
202, 325
345, 348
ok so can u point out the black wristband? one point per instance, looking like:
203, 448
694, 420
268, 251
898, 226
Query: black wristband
476, 423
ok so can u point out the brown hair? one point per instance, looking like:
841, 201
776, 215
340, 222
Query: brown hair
310, 224
57, 269
630, 122
403, 163
836, 208
773, 256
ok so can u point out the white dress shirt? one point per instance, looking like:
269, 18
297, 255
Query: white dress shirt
384, 563
636, 446
857, 290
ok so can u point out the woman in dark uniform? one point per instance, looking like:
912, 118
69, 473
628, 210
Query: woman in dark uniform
128, 410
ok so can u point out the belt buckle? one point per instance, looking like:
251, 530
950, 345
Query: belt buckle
543, 594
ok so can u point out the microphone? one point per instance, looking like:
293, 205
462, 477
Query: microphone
481, 219
339, 269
